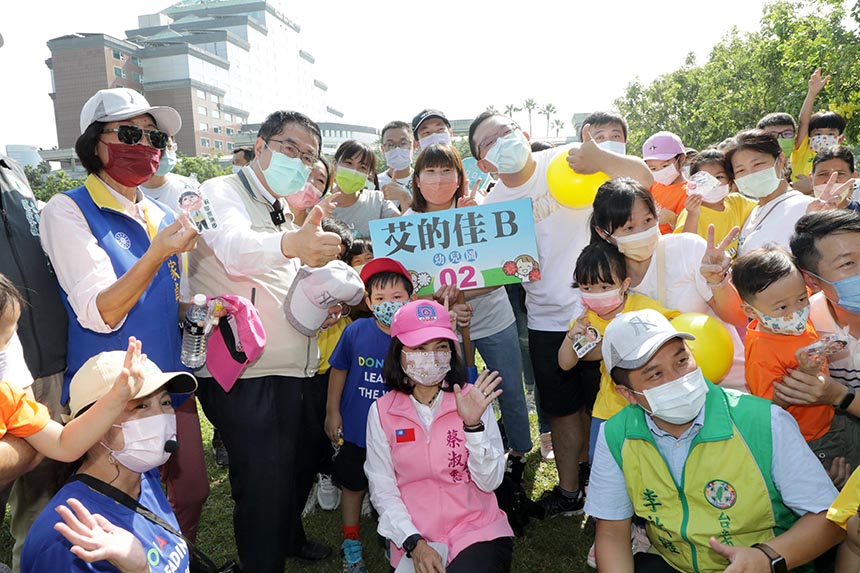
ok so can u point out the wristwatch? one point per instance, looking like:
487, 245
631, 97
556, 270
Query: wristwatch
411, 543
777, 561
846, 401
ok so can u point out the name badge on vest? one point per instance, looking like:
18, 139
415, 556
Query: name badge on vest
404, 435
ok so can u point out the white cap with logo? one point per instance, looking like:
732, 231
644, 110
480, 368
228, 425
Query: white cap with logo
117, 104
632, 338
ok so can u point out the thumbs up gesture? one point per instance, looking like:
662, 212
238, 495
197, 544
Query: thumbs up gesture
313, 246
588, 156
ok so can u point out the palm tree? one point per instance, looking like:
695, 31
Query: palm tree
492, 109
529, 105
558, 125
548, 110
511, 109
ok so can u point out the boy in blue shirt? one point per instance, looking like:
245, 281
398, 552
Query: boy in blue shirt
355, 383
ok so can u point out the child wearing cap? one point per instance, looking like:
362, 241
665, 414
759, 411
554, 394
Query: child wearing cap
709, 201
665, 155
355, 382
776, 300
434, 452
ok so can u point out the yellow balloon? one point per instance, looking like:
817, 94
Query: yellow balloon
570, 188
713, 348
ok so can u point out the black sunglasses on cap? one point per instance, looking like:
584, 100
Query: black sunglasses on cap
131, 135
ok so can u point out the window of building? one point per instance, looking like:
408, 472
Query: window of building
136, 61
229, 131
216, 129
227, 117
213, 98
118, 72
219, 144
117, 55
216, 113
204, 142
201, 94
229, 146
201, 109
203, 126
138, 77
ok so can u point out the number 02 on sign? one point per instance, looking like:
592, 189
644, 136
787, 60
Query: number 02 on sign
473, 247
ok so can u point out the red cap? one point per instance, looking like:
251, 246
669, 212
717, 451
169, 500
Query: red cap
383, 265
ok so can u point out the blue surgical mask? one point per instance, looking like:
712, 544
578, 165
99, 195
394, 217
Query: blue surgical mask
792, 325
166, 163
235, 169
443, 138
384, 311
509, 153
618, 147
286, 175
848, 291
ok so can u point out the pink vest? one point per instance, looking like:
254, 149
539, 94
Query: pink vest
433, 477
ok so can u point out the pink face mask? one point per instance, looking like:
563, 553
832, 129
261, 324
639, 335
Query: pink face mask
306, 198
604, 302
438, 189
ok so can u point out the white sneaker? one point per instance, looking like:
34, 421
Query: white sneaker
328, 494
366, 506
546, 450
311, 503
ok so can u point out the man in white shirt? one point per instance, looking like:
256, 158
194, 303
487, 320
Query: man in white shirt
561, 232
397, 148
256, 252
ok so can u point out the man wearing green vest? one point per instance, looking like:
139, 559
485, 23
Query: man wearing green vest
722, 480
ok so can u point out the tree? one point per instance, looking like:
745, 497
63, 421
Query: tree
749, 75
558, 125
511, 109
56, 182
529, 105
548, 110
203, 166
492, 109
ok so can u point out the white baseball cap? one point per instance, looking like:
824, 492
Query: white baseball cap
632, 338
117, 104
96, 377
315, 290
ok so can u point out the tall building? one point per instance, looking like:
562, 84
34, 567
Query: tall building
220, 63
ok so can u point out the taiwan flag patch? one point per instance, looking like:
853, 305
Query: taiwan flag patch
404, 435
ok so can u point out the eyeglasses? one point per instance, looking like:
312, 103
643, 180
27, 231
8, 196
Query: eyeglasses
289, 148
131, 135
404, 144
787, 134
490, 141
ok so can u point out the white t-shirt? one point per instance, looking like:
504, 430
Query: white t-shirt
405, 182
561, 235
844, 366
13, 368
688, 291
773, 223
371, 205
168, 194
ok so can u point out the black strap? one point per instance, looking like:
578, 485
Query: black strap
123, 498
276, 210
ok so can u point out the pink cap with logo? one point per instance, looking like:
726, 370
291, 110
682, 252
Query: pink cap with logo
239, 340
420, 321
662, 145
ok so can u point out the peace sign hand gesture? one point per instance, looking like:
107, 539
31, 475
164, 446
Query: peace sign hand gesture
468, 200
473, 400
834, 196
716, 261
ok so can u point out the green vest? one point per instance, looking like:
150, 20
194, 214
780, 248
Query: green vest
726, 488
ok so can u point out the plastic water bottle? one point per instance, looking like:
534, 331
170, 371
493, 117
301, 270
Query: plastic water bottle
193, 334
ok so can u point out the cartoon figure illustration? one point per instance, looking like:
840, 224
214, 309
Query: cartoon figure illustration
420, 280
525, 267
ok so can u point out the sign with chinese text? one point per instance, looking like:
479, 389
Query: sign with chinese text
472, 247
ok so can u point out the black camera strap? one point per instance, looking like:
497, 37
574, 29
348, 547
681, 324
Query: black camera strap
123, 498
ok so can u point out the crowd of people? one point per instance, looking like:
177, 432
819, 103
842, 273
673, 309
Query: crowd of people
328, 380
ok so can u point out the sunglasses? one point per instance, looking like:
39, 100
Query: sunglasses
131, 135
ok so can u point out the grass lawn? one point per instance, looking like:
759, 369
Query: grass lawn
558, 544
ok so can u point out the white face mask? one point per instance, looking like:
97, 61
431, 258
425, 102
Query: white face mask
685, 171
235, 169
428, 140
639, 246
426, 368
792, 325
819, 143
678, 401
708, 186
618, 147
399, 159
666, 175
509, 154
759, 184
144, 440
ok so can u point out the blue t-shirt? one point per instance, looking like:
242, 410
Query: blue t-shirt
360, 351
46, 550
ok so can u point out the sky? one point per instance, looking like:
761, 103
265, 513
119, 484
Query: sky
386, 60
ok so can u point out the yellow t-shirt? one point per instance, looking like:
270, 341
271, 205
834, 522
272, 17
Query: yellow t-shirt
845, 504
327, 340
738, 209
609, 402
801, 159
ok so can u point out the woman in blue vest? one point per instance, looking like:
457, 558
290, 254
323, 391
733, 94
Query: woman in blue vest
115, 252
